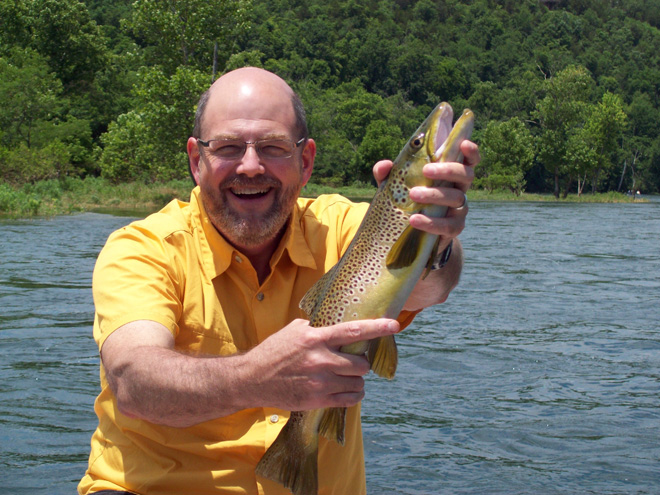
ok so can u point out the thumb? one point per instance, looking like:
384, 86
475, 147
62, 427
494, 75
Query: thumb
382, 170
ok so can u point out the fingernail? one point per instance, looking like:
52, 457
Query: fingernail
393, 326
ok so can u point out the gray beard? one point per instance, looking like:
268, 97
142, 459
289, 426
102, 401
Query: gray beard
247, 231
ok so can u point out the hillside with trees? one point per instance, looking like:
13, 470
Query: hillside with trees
566, 92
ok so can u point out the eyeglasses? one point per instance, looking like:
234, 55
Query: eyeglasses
267, 149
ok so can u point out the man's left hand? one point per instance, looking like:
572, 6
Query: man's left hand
436, 287
461, 174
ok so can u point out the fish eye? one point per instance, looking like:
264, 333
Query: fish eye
417, 141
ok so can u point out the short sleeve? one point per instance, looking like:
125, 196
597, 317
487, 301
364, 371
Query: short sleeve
137, 277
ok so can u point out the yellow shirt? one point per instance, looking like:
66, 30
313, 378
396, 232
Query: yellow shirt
176, 269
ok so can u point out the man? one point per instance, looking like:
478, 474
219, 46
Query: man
204, 349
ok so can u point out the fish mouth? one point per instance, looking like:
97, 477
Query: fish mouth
439, 128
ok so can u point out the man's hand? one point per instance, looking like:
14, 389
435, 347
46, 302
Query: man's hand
297, 368
303, 368
439, 284
461, 174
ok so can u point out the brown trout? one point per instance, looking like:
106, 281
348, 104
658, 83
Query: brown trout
373, 279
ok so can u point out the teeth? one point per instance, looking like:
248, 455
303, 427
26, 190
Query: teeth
249, 191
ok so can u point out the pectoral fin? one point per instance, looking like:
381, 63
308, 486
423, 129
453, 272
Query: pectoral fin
405, 250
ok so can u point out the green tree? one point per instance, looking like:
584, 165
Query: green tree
64, 32
34, 121
382, 140
14, 24
603, 128
149, 142
184, 32
29, 93
508, 154
559, 113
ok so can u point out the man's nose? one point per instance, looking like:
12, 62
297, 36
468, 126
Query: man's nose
250, 164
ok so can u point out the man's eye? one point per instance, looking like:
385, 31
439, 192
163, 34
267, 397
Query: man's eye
274, 149
227, 149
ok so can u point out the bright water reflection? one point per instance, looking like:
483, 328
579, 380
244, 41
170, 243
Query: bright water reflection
541, 374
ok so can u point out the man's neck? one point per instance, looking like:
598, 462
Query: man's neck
261, 255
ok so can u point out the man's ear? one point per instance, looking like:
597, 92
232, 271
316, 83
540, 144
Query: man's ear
193, 159
308, 155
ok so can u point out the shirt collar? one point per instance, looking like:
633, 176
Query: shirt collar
295, 243
217, 254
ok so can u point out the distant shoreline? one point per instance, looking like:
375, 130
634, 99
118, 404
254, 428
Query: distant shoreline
67, 196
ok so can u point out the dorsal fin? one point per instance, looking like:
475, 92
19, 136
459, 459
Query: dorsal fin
314, 296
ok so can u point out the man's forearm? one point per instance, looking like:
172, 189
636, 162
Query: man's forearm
167, 387
435, 288
296, 368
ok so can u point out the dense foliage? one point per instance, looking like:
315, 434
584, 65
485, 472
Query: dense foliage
566, 92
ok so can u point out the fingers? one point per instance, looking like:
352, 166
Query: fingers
448, 227
471, 154
360, 330
461, 176
445, 196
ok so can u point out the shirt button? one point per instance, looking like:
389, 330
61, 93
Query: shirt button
274, 418
260, 296
238, 259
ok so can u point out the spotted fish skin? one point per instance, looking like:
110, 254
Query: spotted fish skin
373, 279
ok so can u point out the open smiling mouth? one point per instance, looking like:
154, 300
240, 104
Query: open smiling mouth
250, 194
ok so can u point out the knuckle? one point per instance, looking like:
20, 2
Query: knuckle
353, 330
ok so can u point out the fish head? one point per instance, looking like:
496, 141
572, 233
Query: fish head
422, 148
428, 138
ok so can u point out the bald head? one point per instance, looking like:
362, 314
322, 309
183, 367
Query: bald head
247, 93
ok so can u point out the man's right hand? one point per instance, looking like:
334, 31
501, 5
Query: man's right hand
303, 368
297, 368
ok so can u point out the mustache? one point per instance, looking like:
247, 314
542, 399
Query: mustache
261, 181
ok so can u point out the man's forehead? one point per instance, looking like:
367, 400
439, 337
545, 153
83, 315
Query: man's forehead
241, 97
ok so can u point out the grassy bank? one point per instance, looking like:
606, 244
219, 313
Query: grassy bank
608, 197
61, 197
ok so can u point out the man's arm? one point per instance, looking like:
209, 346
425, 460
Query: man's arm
439, 283
297, 368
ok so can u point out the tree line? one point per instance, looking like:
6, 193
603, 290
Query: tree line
566, 92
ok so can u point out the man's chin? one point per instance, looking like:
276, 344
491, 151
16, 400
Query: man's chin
244, 228
248, 230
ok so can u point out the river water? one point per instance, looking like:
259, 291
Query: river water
540, 374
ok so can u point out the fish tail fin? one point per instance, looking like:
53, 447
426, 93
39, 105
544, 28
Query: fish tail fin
290, 461
383, 356
333, 424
